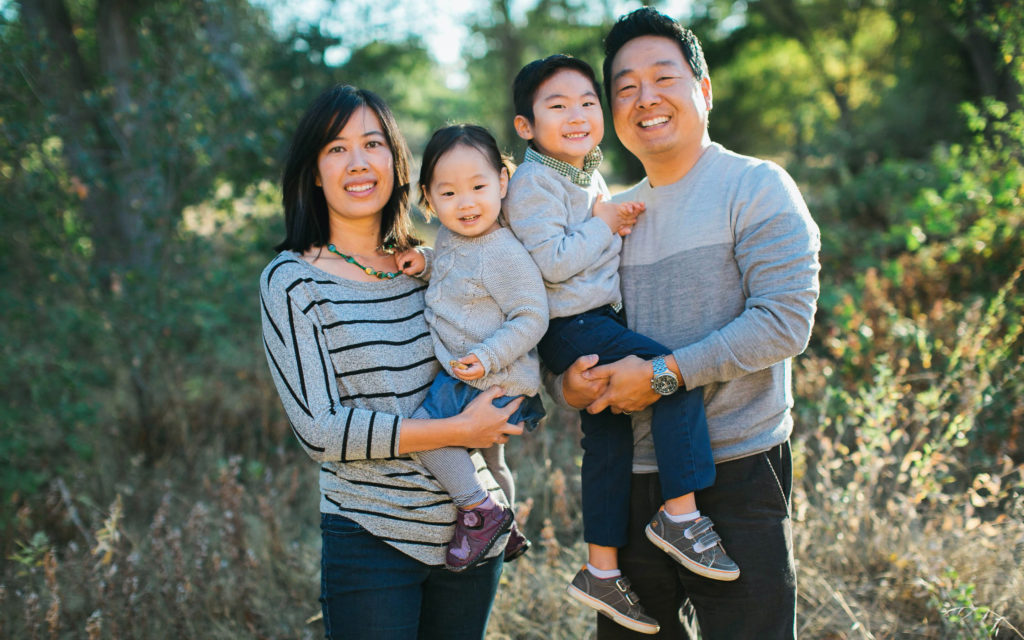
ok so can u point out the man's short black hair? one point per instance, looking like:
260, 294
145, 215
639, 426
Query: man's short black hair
530, 77
647, 21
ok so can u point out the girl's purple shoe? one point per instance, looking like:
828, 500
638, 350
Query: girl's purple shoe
517, 545
476, 531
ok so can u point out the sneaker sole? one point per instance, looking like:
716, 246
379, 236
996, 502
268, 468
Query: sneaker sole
490, 544
608, 611
695, 567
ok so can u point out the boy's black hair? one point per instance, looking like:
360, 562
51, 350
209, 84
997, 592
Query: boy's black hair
306, 218
447, 138
530, 77
647, 21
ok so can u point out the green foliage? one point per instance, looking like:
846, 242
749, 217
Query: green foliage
145, 463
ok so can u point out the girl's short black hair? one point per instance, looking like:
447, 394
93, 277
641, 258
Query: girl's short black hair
447, 138
530, 77
307, 223
648, 21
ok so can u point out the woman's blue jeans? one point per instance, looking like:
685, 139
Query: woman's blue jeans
369, 589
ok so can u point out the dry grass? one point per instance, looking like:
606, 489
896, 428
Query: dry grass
909, 514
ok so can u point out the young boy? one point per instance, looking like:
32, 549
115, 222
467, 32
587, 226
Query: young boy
555, 206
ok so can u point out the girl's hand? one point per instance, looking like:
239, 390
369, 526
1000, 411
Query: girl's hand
485, 424
411, 262
467, 368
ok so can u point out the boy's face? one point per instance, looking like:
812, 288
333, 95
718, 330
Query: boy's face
567, 119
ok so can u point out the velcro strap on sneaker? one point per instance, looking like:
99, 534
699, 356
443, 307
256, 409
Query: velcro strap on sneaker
706, 541
622, 584
698, 528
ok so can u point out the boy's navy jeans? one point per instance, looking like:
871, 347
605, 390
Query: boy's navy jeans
678, 426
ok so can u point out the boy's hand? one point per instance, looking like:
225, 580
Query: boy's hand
619, 216
629, 211
467, 368
411, 262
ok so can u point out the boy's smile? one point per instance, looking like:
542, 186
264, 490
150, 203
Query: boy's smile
567, 119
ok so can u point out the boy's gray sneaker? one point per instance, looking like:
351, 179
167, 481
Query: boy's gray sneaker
614, 598
681, 541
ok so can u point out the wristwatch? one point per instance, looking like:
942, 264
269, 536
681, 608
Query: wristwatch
663, 381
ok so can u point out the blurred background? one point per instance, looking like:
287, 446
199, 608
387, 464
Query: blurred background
149, 482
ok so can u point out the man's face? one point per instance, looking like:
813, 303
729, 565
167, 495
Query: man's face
659, 108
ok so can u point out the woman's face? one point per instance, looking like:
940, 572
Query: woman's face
356, 169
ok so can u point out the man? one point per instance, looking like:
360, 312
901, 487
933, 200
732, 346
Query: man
723, 269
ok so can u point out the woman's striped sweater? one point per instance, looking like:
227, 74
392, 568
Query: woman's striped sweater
349, 359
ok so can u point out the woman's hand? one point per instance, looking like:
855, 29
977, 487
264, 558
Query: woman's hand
480, 425
484, 424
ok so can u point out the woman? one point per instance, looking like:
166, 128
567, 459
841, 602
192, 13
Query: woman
350, 354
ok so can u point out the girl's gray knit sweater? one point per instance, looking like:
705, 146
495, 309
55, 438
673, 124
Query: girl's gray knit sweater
487, 298
349, 359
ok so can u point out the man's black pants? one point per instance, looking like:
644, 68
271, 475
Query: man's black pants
749, 504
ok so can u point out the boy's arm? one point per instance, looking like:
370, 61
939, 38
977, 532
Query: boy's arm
540, 219
518, 289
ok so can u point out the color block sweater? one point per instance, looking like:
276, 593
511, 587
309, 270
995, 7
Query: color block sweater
349, 359
723, 268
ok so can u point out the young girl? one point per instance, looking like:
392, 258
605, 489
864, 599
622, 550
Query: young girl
487, 309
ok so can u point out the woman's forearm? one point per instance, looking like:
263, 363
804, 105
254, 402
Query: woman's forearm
424, 434
480, 425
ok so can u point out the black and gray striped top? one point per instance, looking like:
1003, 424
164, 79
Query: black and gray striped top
349, 359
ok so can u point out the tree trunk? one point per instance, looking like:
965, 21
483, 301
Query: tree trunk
511, 46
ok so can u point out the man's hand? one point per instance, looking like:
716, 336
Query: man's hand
629, 386
467, 368
580, 386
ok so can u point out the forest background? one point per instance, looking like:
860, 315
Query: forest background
149, 482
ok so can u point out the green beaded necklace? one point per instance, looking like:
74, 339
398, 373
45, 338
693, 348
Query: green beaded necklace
383, 275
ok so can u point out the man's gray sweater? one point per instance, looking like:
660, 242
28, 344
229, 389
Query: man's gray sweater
723, 268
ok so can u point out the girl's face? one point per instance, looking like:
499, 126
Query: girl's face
466, 191
356, 169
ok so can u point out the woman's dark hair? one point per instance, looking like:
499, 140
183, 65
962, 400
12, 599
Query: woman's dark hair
446, 139
530, 77
306, 219
647, 21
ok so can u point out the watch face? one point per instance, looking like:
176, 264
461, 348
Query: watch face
665, 384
